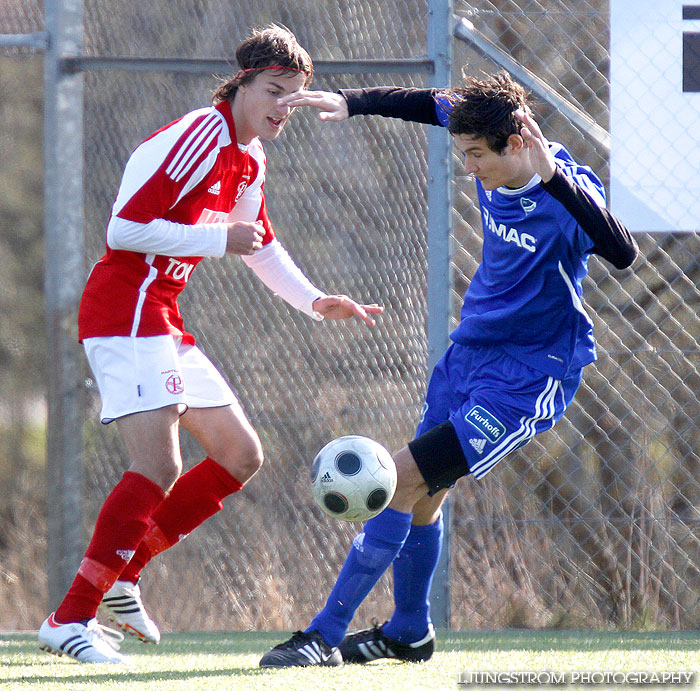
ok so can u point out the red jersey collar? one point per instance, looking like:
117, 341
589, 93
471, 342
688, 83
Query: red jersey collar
225, 109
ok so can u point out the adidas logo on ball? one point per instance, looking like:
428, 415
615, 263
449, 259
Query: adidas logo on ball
353, 478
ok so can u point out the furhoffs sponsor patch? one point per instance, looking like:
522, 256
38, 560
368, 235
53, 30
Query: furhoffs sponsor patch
487, 423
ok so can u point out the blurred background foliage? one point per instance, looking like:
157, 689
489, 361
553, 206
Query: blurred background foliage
22, 332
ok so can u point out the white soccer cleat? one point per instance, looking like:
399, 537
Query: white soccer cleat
89, 642
122, 605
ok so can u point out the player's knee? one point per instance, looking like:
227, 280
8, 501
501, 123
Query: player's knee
254, 458
427, 510
165, 473
408, 477
439, 458
244, 459
410, 485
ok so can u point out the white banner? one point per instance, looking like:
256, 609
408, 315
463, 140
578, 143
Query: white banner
655, 114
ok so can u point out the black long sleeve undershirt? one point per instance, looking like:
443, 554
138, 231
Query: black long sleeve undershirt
410, 104
612, 240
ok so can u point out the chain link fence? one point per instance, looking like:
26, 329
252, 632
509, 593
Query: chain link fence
23, 581
348, 203
593, 524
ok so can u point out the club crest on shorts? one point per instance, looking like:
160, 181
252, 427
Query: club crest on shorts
174, 384
487, 423
423, 412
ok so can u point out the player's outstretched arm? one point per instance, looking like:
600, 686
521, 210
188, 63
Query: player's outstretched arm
343, 307
333, 107
410, 104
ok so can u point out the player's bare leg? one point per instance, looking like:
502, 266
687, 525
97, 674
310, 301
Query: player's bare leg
152, 442
427, 509
153, 445
228, 437
234, 454
410, 485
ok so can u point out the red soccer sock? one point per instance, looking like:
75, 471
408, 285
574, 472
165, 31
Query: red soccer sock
196, 496
120, 527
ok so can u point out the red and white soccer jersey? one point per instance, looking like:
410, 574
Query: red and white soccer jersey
179, 188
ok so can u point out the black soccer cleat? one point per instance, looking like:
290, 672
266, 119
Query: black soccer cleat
372, 644
302, 650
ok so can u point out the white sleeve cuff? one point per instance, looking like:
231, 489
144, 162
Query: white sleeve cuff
276, 269
168, 238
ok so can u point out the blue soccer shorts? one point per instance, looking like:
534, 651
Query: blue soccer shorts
495, 403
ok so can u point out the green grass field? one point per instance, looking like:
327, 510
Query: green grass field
228, 661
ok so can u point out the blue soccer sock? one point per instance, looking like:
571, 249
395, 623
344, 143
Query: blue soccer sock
413, 574
372, 552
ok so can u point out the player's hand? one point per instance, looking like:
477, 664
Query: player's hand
333, 107
244, 237
540, 155
343, 307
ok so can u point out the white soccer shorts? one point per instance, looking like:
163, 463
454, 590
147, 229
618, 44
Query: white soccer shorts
146, 373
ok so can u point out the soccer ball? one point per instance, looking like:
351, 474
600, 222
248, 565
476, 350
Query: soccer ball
353, 478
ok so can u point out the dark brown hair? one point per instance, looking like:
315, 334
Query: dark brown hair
273, 46
486, 108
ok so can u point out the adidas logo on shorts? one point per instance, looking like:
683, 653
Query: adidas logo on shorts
478, 444
326, 478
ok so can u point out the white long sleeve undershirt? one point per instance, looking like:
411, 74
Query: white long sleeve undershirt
276, 269
272, 264
167, 237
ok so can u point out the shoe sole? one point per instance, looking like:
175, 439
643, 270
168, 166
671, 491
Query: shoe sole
359, 657
282, 664
301, 666
364, 660
59, 653
52, 651
127, 628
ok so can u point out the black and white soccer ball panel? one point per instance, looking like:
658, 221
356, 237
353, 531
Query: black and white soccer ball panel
353, 478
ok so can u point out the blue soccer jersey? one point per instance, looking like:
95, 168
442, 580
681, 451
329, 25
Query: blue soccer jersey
526, 295
524, 335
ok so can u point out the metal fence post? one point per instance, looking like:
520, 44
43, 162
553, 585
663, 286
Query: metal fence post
440, 14
63, 189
